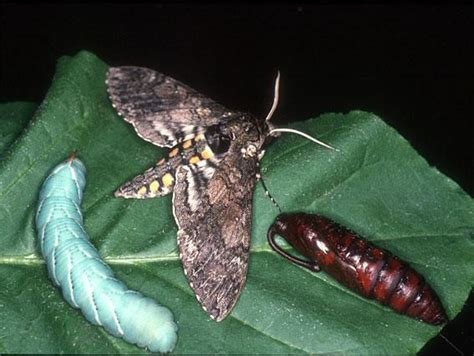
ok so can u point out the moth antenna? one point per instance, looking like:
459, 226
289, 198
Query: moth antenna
276, 96
282, 129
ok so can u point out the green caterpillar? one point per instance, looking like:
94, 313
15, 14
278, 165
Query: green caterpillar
86, 281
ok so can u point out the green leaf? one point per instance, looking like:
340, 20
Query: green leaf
376, 185
13, 119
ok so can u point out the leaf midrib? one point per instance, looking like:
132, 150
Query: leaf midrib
142, 262
33, 259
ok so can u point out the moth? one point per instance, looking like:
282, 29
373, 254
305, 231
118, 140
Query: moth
86, 281
211, 169
361, 266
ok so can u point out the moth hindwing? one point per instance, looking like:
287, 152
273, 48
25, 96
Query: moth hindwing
211, 169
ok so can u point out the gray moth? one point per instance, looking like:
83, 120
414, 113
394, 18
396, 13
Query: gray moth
211, 170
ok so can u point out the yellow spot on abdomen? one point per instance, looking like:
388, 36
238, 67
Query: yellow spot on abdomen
173, 152
154, 186
167, 179
207, 153
141, 191
194, 160
187, 144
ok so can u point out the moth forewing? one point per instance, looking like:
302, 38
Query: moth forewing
162, 110
214, 239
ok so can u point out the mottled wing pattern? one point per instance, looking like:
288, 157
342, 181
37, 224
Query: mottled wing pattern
214, 230
162, 110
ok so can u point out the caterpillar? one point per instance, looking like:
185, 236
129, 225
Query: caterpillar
86, 281
358, 264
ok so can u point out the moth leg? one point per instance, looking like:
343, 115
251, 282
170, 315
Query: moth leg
154, 182
259, 177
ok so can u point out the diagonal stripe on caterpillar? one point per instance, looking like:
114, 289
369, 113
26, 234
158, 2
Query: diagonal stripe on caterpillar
86, 281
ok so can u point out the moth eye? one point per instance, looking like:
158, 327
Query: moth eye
219, 144
218, 139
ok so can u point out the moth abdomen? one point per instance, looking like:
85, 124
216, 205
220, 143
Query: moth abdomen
159, 179
154, 182
359, 265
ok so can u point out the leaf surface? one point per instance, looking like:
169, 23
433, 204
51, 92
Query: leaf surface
13, 119
376, 185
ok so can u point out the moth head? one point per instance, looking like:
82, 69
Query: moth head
253, 134
243, 132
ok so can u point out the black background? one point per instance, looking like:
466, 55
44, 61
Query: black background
410, 64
